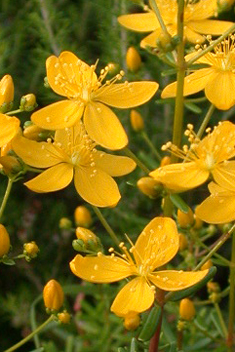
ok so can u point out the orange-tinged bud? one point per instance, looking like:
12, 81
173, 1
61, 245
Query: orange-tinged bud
65, 224
213, 286
82, 216
131, 321
183, 242
187, 309
137, 122
31, 249
33, 132
150, 187
53, 295
28, 102
10, 164
207, 265
6, 93
133, 59
64, 317
87, 241
185, 219
4, 241
166, 160
85, 235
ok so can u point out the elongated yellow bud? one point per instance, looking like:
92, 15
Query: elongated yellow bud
131, 321
187, 309
185, 219
10, 164
149, 187
4, 241
33, 132
133, 59
137, 121
53, 295
82, 216
183, 242
6, 93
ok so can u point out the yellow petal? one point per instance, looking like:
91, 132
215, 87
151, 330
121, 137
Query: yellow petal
219, 207
58, 115
126, 95
224, 174
114, 165
8, 128
201, 10
136, 296
140, 22
181, 176
220, 91
158, 243
213, 27
65, 137
65, 72
193, 83
100, 269
173, 280
98, 189
151, 39
103, 127
53, 179
192, 36
36, 154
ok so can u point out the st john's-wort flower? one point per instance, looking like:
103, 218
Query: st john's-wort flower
157, 245
73, 155
196, 22
219, 207
87, 96
203, 158
218, 79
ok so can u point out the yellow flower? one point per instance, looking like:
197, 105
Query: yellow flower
86, 95
218, 79
219, 207
8, 128
196, 21
73, 154
157, 245
205, 157
6, 93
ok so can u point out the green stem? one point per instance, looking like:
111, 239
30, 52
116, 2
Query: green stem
129, 153
27, 338
158, 14
221, 319
231, 299
151, 146
215, 248
33, 320
205, 121
106, 225
14, 112
6, 196
204, 332
210, 47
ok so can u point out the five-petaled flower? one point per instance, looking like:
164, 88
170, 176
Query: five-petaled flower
157, 245
196, 21
219, 207
88, 97
205, 157
218, 79
73, 155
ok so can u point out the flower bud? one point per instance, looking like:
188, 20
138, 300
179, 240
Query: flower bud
187, 309
4, 241
28, 102
10, 165
64, 317
137, 122
198, 223
185, 219
53, 295
183, 242
86, 241
164, 42
213, 286
166, 160
207, 265
131, 321
133, 59
6, 93
33, 132
31, 249
82, 216
150, 187
6, 148
65, 224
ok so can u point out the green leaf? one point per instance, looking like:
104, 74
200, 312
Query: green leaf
176, 296
166, 328
193, 107
150, 324
8, 261
134, 346
179, 203
40, 349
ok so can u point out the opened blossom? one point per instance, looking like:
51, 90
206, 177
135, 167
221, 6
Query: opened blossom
157, 245
219, 207
72, 155
86, 95
196, 22
204, 158
217, 79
